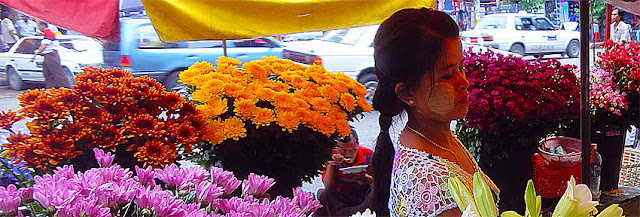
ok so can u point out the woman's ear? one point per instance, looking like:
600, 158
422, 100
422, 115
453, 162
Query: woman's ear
404, 94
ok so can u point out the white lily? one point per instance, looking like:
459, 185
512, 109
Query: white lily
576, 201
611, 211
481, 203
468, 212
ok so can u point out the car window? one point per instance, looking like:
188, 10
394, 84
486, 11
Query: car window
28, 46
494, 22
203, 44
148, 38
254, 42
79, 45
543, 24
348, 36
525, 23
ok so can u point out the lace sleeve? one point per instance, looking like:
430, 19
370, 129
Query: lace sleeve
419, 185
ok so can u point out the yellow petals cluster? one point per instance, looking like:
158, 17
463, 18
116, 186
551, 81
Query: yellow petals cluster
272, 91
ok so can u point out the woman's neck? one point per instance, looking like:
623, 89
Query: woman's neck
435, 130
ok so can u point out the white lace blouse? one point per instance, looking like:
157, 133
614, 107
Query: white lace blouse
419, 183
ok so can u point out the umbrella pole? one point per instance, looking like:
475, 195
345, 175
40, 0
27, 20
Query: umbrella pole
585, 115
224, 47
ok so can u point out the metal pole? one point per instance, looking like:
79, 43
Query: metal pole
607, 25
224, 47
585, 115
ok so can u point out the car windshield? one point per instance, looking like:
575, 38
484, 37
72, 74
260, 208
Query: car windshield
79, 45
494, 22
344, 36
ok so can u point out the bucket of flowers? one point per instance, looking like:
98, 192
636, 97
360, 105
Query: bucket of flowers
272, 117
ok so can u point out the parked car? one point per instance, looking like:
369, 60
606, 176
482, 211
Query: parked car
302, 36
141, 52
76, 52
349, 51
525, 34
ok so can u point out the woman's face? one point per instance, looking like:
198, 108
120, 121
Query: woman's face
447, 99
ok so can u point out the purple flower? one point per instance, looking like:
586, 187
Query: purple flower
145, 176
65, 171
104, 159
256, 185
170, 175
281, 204
89, 208
9, 198
54, 191
233, 204
27, 194
193, 175
305, 201
224, 179
208, 192
169, 207
261, 209
146, 198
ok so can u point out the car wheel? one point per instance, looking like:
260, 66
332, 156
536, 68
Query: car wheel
370, 83
172, 83
15, 81
517, 48
69, 75
538, 56
573, 49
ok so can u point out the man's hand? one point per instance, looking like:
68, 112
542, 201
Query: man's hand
363, 175
337, 159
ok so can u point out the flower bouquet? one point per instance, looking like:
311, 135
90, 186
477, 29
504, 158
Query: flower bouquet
107, 109
511, 99
273, 117
111, 190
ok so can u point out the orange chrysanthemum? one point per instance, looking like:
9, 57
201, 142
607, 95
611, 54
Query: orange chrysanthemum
8, 118
234, 128
348, 102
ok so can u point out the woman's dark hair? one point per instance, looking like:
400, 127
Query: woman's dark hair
407, 46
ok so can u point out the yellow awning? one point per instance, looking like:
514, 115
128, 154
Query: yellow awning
178, 20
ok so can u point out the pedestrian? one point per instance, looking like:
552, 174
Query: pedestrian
418, 62
54, 74
620, 31
26, 27
344, 193
9, 34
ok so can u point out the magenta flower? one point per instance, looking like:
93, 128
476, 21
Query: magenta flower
65, 171
224, 179
281, 204
257, 185
261, 209
148, 197
306, 201
228, 205
192, 175
104, 159
27, 194
208, 192
54, 191
169, 207
9, 198
89, 208
170, 175
145, 176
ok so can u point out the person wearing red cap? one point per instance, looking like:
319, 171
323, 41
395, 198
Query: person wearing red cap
54, 74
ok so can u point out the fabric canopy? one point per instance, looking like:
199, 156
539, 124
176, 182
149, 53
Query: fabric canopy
631, 6
207, 19
95, 18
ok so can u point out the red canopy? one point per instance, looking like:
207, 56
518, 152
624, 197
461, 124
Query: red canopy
94, 18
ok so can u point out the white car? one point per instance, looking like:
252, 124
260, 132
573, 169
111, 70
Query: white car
349, 51
76, 52
525, 34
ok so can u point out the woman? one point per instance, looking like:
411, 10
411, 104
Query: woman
418, 60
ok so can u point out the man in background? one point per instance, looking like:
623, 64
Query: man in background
620, 31
54, 75
26, 27
345, 193
9, 34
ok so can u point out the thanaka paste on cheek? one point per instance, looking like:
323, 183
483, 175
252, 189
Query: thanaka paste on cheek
441, 99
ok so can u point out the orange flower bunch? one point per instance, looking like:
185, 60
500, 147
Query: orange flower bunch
8, 118
108, 108
272, 91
